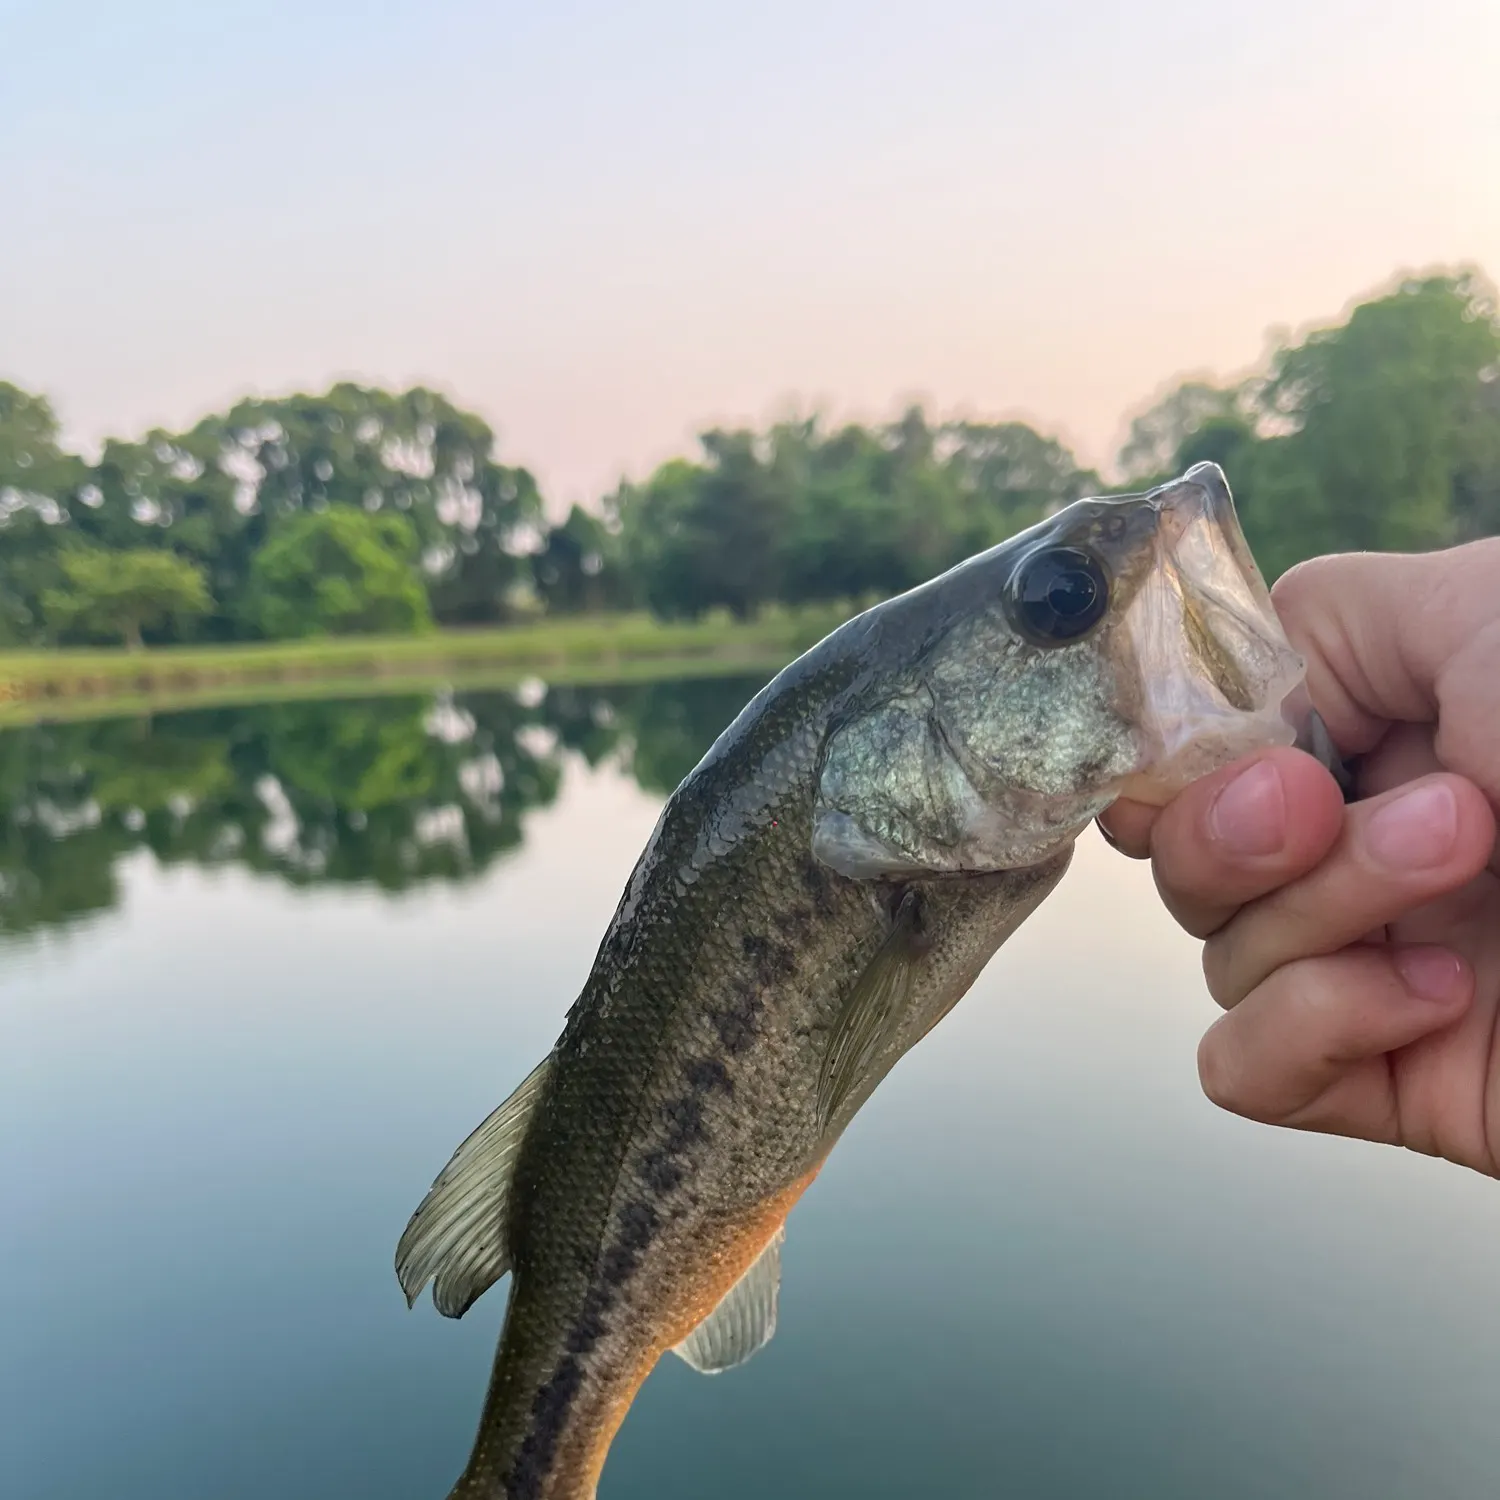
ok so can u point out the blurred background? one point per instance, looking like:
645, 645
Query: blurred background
421, 430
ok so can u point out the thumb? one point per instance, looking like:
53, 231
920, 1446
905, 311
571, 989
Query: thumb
1396, 638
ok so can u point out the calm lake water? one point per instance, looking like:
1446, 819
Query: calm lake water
261, 970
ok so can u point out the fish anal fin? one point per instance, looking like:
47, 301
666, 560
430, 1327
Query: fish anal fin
457, 1237
744, 1320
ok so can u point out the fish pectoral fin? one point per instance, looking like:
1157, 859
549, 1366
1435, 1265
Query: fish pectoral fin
872, 1013
457, 1236
744, 1320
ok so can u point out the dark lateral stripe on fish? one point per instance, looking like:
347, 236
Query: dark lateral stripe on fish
665, 1168
549, 1410
637, 1223
536, 1458
775, 963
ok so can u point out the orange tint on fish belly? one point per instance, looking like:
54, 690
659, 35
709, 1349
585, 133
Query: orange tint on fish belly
576, 1474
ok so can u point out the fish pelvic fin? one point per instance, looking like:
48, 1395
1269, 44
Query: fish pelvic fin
458, 1237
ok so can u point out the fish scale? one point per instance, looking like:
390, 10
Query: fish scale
817, 895
702, 1041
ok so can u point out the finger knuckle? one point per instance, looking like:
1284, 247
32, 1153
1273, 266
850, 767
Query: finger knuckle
1313, 988
1302, 584
1218, 965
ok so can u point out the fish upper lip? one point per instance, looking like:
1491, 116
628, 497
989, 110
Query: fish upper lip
1202, 495
1187, 500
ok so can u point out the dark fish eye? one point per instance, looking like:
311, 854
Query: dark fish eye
1059, 595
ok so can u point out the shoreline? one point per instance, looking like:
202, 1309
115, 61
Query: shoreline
38, 686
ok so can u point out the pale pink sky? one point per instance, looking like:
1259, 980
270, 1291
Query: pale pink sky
605, 227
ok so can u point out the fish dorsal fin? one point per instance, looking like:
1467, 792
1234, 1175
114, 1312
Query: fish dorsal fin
744, 1320
458, 1236
873, 1011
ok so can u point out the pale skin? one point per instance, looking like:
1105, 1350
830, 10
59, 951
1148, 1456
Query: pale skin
1356, 949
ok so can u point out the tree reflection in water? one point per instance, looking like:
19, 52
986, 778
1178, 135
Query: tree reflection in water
391, 792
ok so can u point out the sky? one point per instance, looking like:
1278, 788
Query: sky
607, 227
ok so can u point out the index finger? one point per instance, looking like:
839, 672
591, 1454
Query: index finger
1396, 638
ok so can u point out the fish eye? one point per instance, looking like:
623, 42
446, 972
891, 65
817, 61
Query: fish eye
1059, 595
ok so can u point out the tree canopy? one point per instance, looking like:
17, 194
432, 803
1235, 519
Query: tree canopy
1379, 432
802, 514
338, 571
117, 596
221, 491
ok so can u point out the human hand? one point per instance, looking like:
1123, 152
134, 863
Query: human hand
1356, 950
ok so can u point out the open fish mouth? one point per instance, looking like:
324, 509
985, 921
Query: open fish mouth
1213, 667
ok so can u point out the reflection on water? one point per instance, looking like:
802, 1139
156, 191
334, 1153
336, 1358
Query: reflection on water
389, 791
1039, 1266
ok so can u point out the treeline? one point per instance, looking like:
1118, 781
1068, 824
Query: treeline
366, 511
358, 510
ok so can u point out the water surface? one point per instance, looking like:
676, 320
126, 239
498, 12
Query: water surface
261, 969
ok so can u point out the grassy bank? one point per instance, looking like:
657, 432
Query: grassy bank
37, 685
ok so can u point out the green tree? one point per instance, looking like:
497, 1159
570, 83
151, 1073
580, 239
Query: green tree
662, 530
169, 490
28, 569
873, 511
1196, 422
1011, 476
579, 567
1476, 489
221, 491
1160, 435
799, 513
1381, 431
120, 595
38, 481
707, 534
34, 470
1223, 440
1381, 413
338, 571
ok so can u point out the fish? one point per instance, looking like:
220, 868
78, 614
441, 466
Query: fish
816, 896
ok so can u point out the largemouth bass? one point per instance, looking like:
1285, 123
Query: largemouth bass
818, 893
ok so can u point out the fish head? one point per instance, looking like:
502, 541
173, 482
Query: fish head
1124, 646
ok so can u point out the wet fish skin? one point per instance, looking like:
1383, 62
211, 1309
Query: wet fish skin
689, 1102
681, 1122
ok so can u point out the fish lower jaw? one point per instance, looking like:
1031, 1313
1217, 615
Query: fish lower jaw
1186, 756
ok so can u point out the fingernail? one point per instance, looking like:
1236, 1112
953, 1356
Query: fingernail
1249, 815
1430, 973
1417, 830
